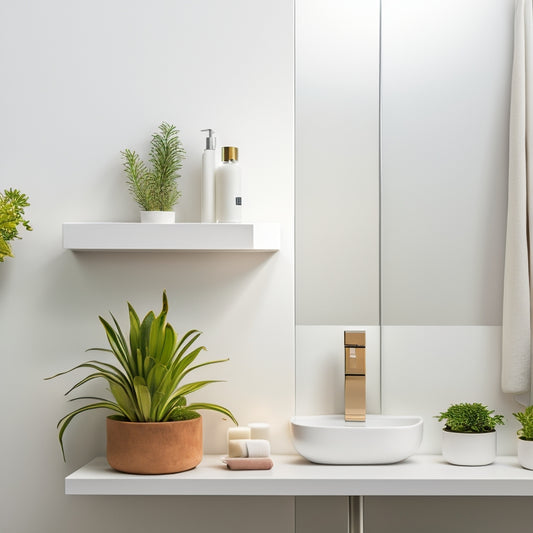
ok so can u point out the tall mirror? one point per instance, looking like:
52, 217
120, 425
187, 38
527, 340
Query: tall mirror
337, 194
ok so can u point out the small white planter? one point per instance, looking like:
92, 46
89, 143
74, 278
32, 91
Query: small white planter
469, 449
525, 453
158, 217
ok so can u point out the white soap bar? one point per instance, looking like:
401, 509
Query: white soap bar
259, 430
237, 448
239, 432
257, 448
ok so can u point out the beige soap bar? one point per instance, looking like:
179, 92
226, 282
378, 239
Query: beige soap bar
239, 432
259, 430
237, 448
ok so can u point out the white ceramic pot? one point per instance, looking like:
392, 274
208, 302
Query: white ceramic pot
469, 449
158, 217
525, 453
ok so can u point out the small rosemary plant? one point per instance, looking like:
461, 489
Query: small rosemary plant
12, 204
470, 418
155, 188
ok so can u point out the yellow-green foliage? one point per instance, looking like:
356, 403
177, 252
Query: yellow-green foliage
526, 419
12, 204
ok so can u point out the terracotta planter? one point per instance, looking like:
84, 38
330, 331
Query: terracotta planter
525, 453
154, 447
469, 449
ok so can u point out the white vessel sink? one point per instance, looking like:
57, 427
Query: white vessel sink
381, 439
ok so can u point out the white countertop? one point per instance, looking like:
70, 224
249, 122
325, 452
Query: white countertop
292, 475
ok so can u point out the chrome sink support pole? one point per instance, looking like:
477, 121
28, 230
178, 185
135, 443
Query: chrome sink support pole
355, 514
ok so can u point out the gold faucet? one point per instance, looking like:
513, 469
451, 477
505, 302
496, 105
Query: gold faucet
354, 376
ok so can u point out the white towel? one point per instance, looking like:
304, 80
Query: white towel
517, 299
258, 448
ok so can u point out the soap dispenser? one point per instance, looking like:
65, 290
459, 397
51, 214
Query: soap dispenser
228, 185
207, 210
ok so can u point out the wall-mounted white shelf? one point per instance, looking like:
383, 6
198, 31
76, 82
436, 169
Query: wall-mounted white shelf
422, 475
118, 236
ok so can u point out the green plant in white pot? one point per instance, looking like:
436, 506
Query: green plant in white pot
525, 437
154, 429
469, 435
12, 204
154, 187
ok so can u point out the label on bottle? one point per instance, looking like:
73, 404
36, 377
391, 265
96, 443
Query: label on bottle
238, 200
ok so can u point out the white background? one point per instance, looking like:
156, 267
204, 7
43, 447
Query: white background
82, 81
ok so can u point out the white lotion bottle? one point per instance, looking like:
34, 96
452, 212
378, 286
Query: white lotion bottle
207, 208
228, 185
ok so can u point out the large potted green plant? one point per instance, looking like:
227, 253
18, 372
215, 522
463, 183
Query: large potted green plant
154, 430
155, 188
469, 435
12, 204
525, 437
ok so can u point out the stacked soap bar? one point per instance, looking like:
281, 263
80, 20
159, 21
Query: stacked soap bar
249, 448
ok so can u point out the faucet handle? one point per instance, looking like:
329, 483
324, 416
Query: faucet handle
354, 353
355, 338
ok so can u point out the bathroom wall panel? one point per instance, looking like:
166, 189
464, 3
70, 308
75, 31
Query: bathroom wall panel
337, 160
445, 107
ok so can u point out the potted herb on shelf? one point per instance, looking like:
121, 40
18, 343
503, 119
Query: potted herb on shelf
153, 430
469, 435
155, 189
12, 204
525, 438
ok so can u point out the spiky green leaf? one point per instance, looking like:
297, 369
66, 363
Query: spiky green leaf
116, 346
146, 326
192, 387
66, 420
213, 407
135, 336
144, 400
125, 401
185, 343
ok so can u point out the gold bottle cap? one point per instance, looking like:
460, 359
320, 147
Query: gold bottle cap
230, 153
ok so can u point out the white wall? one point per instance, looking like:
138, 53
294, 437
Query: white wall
444, 202
80, 82
445, 116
